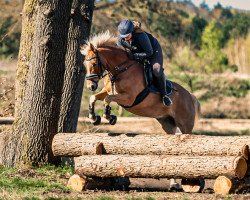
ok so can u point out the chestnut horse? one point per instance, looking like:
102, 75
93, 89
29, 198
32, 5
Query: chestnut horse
103, 55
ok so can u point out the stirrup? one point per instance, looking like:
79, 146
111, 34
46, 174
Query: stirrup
166, 100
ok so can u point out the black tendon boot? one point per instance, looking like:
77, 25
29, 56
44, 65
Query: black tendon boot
161, 83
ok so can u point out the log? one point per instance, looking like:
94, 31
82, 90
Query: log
6, 120
77, 183
68, 144
80, 183
193, 185
225, 185
153, 166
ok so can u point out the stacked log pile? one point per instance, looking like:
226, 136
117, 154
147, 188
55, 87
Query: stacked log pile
189, 157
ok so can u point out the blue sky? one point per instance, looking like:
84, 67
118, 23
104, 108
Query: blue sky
240, 4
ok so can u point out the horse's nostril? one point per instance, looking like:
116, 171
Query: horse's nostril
93, 87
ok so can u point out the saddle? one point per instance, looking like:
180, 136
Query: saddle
149, 78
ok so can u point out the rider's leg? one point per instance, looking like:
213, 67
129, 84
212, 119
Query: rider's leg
161, 84
158, 71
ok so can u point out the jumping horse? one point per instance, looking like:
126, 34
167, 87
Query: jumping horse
126, 80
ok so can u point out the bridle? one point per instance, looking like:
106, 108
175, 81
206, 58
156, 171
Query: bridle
100, 68
104, 71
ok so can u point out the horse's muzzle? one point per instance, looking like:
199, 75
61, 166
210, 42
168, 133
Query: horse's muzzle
93, 86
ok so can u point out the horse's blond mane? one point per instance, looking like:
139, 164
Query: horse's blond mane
102, 39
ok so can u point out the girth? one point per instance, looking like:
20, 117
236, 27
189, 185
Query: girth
139, 98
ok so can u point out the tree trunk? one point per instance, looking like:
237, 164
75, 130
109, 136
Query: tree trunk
160, 166
31, 141
28, 27
81, 144
225, 185
79, 30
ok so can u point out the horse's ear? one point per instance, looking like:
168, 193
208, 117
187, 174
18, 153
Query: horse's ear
83, 50
92, 48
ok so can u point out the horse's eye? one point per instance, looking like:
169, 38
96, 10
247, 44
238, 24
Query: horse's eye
94, 64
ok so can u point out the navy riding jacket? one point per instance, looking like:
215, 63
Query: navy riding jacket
143, 45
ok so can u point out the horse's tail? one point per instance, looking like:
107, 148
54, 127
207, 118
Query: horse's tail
197, 108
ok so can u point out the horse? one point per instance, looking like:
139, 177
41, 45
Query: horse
126, 80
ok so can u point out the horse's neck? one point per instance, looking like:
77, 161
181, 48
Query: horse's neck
112, 57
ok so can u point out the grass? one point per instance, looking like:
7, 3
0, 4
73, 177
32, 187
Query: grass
35, 181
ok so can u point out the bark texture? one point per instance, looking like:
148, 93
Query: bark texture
31, 142
159, 166
225, 185
65, 144
79, 30
29, 13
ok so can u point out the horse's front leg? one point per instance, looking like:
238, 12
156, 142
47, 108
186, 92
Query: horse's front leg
96, 119
121, 99
118, 98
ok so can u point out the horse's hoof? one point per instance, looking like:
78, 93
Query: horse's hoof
112, 119
97, 120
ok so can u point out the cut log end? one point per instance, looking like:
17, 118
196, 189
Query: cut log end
222, 185
99, 148
245, 151
192, 185
77, 183
240, 167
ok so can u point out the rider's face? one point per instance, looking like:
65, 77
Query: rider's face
128, 37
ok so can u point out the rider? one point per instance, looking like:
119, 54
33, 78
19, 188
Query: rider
143, 45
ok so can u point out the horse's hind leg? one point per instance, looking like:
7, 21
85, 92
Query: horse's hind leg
99, 96
168, 124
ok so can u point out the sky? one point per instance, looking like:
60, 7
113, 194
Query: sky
240, 4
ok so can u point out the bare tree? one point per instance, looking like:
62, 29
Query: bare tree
30, 142
28, 26
79, 30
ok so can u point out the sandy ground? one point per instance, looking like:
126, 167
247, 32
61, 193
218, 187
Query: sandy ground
143, 125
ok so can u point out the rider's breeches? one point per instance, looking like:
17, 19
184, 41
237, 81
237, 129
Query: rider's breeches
157, 62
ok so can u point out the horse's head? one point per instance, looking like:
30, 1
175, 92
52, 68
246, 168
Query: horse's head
101, 53
93, 65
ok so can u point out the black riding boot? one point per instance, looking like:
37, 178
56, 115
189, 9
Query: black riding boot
161, 83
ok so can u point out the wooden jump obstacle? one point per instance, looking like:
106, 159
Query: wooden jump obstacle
171, 156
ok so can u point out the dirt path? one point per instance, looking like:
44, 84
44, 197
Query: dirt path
151, 126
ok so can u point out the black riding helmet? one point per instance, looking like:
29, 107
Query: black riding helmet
125, 28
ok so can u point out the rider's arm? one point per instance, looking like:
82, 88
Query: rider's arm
146, 45
123, 43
